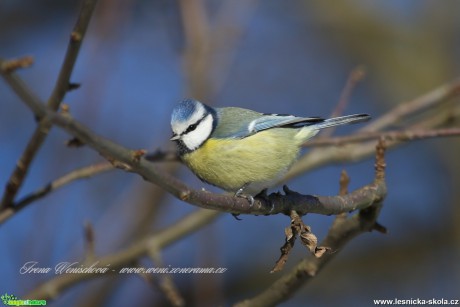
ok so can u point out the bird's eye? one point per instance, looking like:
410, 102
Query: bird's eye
191, 127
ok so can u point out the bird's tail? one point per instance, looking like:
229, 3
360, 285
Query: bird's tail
342, 120
310, 131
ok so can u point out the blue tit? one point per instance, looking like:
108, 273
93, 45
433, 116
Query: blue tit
240, 150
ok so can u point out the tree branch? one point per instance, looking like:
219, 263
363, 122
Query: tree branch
52, 288
368, 198
355, 76
9, 66
355, 152
80, 173
400, 135
276, 203
60, 89
342, 231
194, 221
427, 101
164, 282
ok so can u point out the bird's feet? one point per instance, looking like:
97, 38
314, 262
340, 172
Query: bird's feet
240, 193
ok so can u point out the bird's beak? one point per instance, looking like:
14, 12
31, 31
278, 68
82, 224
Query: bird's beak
175, 137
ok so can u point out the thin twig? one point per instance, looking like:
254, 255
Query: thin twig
341, 232
164, 282
9, 66
61, 87
52, 288
88, 232
73, 49
197, 48
419, 104
276, 203
204, 43
84, 172
162, 156
399, 135
343, 183
226, 33
354, 152
355, 76
307, 269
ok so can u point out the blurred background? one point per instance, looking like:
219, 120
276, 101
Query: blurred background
141, 57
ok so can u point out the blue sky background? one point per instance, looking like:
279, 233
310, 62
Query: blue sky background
292, 57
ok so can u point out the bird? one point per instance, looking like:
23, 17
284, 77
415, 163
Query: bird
239, 150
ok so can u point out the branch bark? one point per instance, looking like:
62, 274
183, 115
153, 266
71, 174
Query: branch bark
80, 173
129, 160
60, 89
194, 221
399, 135
435, 99
339, 234
342, 231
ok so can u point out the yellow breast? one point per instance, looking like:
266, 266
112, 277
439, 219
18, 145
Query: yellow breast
232, 163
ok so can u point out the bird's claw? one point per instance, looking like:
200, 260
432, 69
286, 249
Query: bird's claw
250, 198
235, 215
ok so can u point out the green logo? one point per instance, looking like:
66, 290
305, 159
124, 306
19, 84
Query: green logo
5, 298
12, 300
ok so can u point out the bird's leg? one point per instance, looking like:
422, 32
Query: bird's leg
235, 215
239, 193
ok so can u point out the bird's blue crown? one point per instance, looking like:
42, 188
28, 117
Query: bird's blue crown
184, 110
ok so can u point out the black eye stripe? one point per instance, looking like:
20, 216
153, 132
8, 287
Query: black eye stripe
193, 126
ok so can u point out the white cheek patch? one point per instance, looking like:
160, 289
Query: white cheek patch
179, 127
195, 138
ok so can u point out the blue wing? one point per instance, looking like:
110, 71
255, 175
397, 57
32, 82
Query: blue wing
241, 123
269, 121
